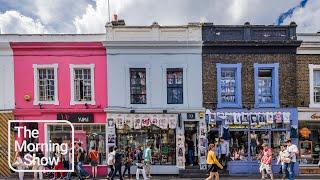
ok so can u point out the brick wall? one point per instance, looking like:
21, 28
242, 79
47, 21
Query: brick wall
303, 97
287, 76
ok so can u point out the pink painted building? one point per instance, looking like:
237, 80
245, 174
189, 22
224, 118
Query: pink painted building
63, 78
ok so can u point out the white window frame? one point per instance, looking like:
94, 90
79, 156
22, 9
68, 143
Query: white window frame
82, 66
36, 100
312, 67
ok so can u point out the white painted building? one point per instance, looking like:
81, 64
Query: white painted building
309, 113
156, 71
6, 77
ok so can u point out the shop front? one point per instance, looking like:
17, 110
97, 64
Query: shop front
246, 130
309, 140
89, 126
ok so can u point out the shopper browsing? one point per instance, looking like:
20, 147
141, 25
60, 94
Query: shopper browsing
213, 163
266, 162
140, 164
283, 158
93, 155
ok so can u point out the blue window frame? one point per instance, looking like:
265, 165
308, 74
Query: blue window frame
229, 85
266, 82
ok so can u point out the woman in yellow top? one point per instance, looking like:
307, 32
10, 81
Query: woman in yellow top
213, 163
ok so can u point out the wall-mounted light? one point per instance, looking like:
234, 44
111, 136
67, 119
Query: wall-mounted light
87, 106
165, 111
132, 111
27, 97
302, 103
40, 105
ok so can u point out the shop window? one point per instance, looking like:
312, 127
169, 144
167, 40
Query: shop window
92, 135
82, 84
175, 86
239, 145
314, 77
309, 143
45, 84
162, 142
277, 139
229, 85
266, 85
138, 90
257, 138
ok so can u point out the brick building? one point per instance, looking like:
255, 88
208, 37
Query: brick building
249, 88
308, 81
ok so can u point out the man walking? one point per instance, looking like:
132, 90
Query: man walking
82, 173
111, 162
118, 163
293, 152
224, 152
148, 160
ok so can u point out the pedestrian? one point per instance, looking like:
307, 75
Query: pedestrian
118, 163
128, 158
38, 166
58, 166
140, 164
111, 162
190, 146
147, 158
266, 162
82, 173
293, 152
213, 163
94, 156
19, 164
224, 152
283, 158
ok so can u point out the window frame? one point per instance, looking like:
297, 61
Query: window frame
180, 86
275, 85
81, 66
36, 67
312, 68
146, 93
238, 91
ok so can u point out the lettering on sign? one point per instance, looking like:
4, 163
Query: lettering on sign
76, 117
315, 116
191, 115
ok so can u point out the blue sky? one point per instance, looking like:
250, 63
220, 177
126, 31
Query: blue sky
90, 16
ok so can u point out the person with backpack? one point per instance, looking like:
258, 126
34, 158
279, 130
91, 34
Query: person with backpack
147, 160
140, 164
93, 155
111, 162
117, 163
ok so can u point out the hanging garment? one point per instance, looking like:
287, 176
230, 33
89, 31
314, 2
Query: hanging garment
226, 134
129, 120
137, 122
146, 122
173, 121
293, 132
270, 117
278, 117
155, 120
286, 117
245, 118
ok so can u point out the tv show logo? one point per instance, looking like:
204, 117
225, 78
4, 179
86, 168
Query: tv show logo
29, 153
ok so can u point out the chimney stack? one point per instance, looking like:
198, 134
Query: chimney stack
117, 22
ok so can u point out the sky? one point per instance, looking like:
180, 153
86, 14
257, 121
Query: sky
90, 16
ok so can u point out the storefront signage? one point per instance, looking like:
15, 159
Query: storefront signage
191, 115
76, 117
252, 118
315, 116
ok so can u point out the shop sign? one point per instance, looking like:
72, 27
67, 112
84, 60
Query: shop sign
315, 116
191, 115
76, 117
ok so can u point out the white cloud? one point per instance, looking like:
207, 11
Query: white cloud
308, 18
14, 22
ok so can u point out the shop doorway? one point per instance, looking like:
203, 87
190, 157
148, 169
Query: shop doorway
191, 135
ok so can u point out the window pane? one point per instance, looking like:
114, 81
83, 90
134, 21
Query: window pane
138, 86
239, 145
265, 94
46, 84
175, 86
228, 85
82, 84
